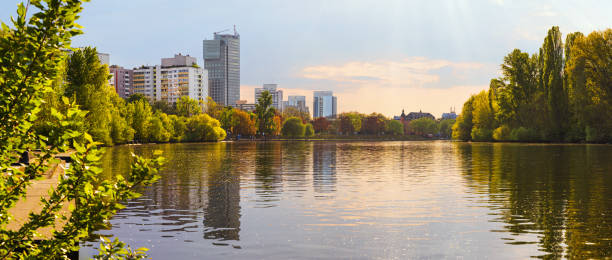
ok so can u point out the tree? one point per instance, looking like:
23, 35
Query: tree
187, 107
245, 123
87, 83
346, 125
30, 56
293, 127
551, 55
445, 127
395, 127
424, 126
265, 114
139, 116
320, 124
374, 124
202, 127
462, 129
137, 97
212, 108
291, 111
309, 130
163, 106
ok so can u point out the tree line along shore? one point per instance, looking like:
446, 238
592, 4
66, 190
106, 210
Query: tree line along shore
563, 93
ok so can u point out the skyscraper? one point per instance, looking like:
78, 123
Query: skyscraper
222, 60
277, 95
325, 104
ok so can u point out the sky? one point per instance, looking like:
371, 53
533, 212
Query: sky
375, 55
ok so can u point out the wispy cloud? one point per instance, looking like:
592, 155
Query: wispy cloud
408, 72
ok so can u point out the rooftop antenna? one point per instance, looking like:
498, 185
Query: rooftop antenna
235, 33
221, 31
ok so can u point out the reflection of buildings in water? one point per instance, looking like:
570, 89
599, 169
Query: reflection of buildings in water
324, 167
222, 213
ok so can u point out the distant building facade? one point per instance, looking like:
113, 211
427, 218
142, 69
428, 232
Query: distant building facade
324, 104
414, 115
121, 80
450, 115
298, 102
277, 95
145, 82
222, 60
244, 106
176, 77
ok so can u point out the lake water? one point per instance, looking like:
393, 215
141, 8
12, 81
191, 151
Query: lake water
365, 200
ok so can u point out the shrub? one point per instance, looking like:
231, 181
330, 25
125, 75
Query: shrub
204, 128
502, 133
523, 134
309, 131
293, 127
482, 134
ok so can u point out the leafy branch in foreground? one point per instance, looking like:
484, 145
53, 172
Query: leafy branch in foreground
31, 54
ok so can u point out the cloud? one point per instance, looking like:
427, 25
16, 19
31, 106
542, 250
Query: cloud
408, 72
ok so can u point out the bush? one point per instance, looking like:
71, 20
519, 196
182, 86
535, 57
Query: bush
502, 133
523, 134
482, 135
309, 131
293, 127
204, 128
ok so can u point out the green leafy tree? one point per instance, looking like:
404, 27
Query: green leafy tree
265, 114
462, 129
424, 126
446, 127
87, 83
137, 97
395, 127
293, 127
202, 127
551, 55
187, 107
30, 58
309, 130
139, 117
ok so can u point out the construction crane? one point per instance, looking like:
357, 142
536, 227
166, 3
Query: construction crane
221, 31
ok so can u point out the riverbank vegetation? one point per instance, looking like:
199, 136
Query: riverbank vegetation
41, 118
563, 93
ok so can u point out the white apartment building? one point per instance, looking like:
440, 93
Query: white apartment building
176, 77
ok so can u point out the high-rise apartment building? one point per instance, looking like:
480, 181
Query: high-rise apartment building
121, 80
176, 77
222, 60
277, 95
325, 104
181, 76
145, 82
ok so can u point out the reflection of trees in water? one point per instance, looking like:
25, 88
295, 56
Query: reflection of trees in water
268, 175
222, 213
324, 167
561, 193
296, 162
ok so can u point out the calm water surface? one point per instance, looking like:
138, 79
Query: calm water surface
364, 200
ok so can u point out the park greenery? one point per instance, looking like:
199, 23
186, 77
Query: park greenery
563, 93
42, 100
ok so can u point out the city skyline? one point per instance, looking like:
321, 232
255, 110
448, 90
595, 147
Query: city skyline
376, 57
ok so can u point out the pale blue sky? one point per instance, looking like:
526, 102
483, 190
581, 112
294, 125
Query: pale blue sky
375, 55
